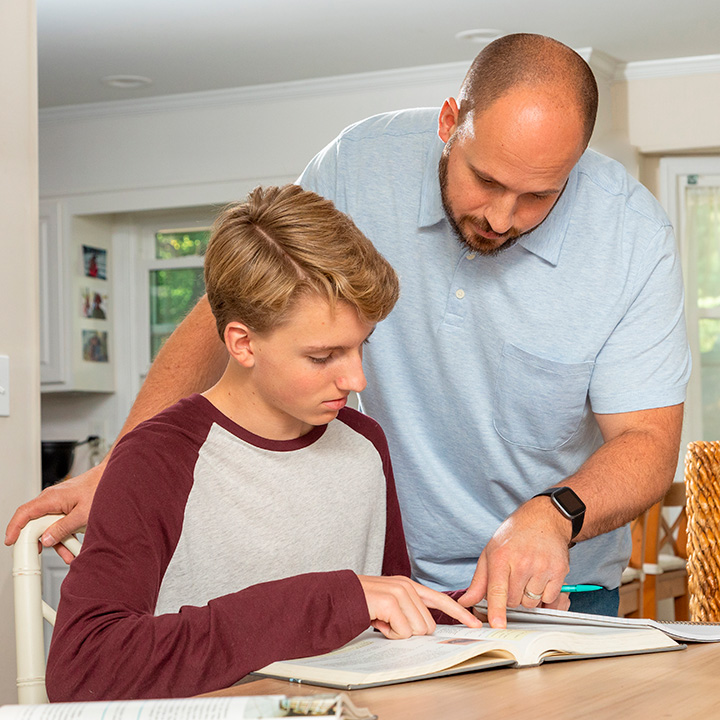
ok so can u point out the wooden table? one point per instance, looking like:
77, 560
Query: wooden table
683, 684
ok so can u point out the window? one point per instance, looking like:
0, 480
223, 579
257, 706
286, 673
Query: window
167, 258
701, 230
175, 280
690, 192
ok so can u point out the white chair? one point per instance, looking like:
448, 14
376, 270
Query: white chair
31, 609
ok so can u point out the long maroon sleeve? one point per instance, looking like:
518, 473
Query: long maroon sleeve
395, 560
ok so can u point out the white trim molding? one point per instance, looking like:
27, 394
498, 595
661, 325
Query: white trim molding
404, 77
672, 67
606, 67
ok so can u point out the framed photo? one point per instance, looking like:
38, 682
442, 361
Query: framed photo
94, 262
93, 304
95, 346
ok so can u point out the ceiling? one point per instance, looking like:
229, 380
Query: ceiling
198, 45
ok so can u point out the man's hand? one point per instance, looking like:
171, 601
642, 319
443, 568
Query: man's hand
398, 606
524, 563
71, 497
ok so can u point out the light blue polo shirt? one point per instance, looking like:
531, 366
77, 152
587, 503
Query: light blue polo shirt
486, 374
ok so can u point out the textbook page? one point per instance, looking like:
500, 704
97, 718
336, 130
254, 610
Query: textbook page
678, 630
536, 642
372, 659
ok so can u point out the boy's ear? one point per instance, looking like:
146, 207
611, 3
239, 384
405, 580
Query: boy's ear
238, 338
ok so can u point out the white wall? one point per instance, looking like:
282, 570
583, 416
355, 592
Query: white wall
19, 325
225, 136
674, 114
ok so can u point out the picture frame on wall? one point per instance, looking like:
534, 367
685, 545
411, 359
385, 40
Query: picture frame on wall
94, 262
93, 304
95, 346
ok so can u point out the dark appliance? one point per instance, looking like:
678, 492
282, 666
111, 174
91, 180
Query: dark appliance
57, 458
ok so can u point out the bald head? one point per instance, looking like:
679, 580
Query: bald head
532, 62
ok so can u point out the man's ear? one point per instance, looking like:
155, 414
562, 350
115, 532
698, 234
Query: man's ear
447, 121
238, 338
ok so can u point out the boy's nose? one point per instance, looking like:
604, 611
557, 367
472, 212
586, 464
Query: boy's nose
354, 377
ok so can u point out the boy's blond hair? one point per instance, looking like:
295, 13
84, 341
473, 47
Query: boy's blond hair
283, 243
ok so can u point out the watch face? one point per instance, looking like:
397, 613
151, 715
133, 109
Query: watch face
570, 502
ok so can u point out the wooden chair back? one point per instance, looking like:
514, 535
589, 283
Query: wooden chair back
665, 565
631, 588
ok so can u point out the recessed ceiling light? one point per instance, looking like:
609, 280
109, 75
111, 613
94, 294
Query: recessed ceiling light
483, 35
126, 82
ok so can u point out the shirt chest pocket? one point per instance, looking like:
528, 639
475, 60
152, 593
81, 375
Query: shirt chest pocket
539, 403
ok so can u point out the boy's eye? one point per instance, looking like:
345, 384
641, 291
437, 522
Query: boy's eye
319, 360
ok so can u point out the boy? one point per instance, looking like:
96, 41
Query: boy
238, 527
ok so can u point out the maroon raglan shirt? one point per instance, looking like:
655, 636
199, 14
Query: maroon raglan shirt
211, 552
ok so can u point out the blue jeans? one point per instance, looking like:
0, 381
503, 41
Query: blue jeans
596, 602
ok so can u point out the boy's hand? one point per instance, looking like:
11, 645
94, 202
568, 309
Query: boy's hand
398, 606
71, 497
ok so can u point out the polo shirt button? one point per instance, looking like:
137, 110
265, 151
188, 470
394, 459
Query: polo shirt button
460, 294
471, 256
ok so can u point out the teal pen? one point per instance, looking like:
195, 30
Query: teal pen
580, 588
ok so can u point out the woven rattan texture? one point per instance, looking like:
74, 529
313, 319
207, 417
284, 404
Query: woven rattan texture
702, 484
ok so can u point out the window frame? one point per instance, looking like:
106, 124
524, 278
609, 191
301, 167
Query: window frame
673, 176
180, 219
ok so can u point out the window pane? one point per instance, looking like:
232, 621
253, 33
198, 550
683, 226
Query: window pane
710, 373
703, 207
179, 243
172, 295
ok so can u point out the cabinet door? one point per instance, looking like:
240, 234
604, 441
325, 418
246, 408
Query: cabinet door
52, 350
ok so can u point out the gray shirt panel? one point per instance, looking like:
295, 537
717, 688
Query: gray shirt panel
255, 515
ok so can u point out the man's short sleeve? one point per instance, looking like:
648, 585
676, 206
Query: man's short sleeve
320, 175
645, 362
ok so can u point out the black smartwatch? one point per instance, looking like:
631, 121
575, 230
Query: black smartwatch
569, 505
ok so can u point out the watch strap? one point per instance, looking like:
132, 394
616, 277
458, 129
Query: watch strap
576, 518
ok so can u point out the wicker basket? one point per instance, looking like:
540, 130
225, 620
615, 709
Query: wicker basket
702, 484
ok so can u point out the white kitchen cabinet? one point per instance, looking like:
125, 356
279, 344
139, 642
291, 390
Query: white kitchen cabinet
52, 366
76, 312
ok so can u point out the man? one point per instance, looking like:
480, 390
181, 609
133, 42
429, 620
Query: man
546, 349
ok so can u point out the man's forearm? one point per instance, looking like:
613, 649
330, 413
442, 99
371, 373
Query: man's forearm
529, 551
192, 359
631, 471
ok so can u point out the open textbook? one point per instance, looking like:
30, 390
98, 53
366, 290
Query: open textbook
371, 659
255, 707
676, 629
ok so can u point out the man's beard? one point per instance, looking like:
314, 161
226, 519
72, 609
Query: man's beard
474, 241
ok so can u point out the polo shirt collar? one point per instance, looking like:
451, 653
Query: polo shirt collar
431, 209
545, 241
